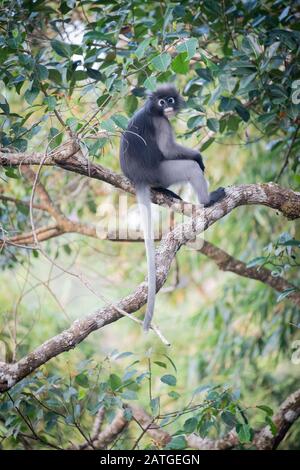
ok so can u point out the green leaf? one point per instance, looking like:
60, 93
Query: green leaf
233, 123
124, 354
120, 120
259, 261
103, 99
213, 124
174, 395
171, 362
177, 442
181, 63
20, 144
55, 76
23, 209
154, 405
94, 74
190, 425
129, 395
254, 44
272, 425
142, 48
30, 95
131, 104
195, 121
205, 74
10, 173
215, 95
61, 48
242, 112
55, 137
161, 62
245, 81
207, 144
50, 101
67, 249
228, 82
96, 146
229, 418
79, 75
115, 381
189, 47
108, 125
244, 433
227, 104
69, 393
82, 380
127, 413
42, 72
169, 380
291, 242
266, 409
150, 83
160, 364
72, 123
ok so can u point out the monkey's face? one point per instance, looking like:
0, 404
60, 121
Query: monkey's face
166, 101
167, 105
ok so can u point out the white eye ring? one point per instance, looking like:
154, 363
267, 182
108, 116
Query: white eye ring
171, 100
161, 102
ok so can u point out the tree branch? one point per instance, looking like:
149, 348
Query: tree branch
228, 263
286, 416
284, 200
69, 158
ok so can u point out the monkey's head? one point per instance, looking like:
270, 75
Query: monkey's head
165, 101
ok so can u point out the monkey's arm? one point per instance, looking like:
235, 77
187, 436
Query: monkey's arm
180, 153
169, 147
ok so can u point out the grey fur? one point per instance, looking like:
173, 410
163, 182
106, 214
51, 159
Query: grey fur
151, 158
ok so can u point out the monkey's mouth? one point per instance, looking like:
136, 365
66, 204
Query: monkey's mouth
169, 112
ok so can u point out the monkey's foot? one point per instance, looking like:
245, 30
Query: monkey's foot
168, 193
216, 196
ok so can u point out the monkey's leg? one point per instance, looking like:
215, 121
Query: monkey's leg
179, 171
167, 192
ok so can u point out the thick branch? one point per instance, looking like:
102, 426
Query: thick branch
224, 261
227, 263
111, 432
270, 194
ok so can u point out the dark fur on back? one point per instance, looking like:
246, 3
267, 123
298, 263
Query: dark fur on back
139, 152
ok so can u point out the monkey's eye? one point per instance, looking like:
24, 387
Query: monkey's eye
161, 102
171, 100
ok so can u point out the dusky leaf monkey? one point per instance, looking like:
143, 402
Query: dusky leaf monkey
152, 159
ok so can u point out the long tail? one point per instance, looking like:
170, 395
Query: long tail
144, 201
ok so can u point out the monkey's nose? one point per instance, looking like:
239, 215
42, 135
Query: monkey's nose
169, 111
